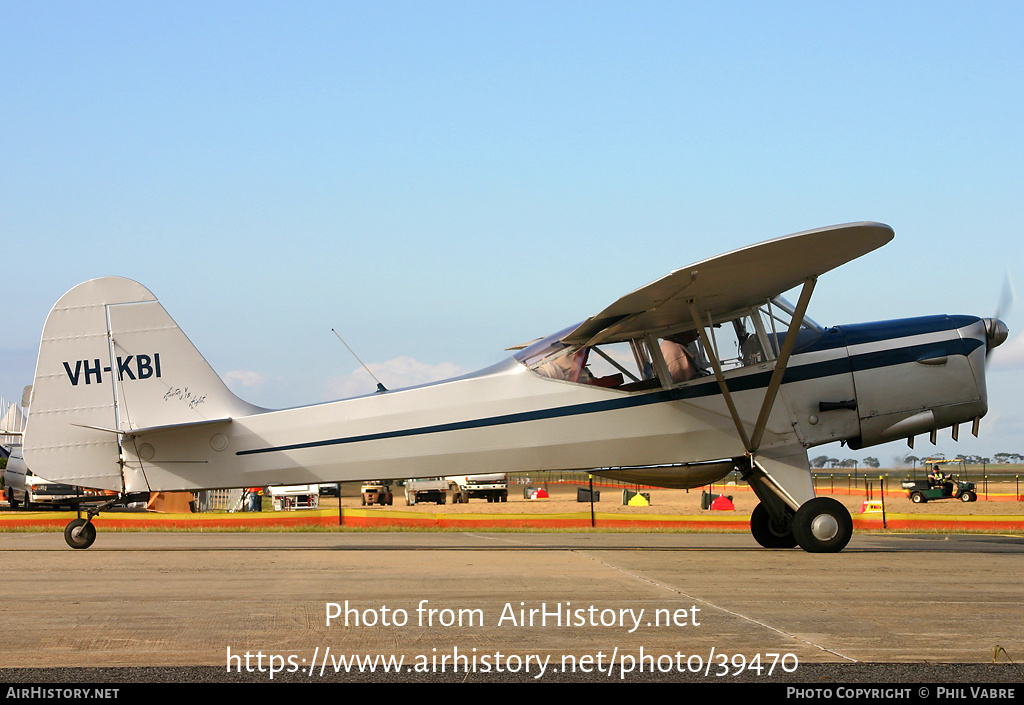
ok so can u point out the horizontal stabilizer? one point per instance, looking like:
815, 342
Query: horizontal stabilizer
154, 429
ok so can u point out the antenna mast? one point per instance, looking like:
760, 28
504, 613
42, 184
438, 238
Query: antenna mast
380, 387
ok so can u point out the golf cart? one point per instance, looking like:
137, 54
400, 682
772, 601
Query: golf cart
940, 486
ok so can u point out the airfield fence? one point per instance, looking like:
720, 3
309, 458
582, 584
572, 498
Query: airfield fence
873, 485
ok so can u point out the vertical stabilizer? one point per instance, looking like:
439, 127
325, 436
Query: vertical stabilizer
112, 360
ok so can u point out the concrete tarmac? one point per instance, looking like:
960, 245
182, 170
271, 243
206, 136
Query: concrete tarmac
532, 606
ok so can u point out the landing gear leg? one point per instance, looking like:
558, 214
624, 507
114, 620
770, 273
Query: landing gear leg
817, 524
772, 519
80, 533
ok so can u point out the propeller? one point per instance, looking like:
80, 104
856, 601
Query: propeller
995, 330
1007, 298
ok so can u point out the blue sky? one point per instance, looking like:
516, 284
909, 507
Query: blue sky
438, 181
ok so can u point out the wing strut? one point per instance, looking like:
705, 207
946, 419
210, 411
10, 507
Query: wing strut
753, 442
719, 376
782, 362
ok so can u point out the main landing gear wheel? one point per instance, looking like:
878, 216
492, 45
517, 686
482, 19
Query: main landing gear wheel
822, 525
80, 533
768, 532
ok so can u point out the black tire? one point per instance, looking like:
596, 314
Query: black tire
79, 533
918, 498
768, 532
968, 496
11, 500
822, 525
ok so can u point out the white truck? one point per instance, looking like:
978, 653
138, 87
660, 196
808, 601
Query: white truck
492, 487
435, 490
290, 497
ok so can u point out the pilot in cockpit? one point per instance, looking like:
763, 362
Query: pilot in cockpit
572, 366
680, 353
562, 367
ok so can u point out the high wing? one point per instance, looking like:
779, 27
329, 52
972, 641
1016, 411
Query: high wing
730, 282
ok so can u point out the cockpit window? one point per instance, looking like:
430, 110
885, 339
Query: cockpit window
777, 314
741, 339
624, 365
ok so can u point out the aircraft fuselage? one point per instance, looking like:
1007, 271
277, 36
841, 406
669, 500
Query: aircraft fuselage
865, 384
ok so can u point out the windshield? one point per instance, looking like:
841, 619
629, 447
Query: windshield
545, 347
789, 308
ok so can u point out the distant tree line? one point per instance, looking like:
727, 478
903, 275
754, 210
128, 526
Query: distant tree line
824, 461
998, 458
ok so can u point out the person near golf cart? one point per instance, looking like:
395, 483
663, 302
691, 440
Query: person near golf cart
938, 480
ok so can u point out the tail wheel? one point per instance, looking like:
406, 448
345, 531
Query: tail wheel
822, 525
768, 532
79, 533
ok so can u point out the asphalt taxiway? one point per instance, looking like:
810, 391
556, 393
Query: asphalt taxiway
539, 605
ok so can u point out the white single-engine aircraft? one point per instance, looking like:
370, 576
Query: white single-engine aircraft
704, 371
